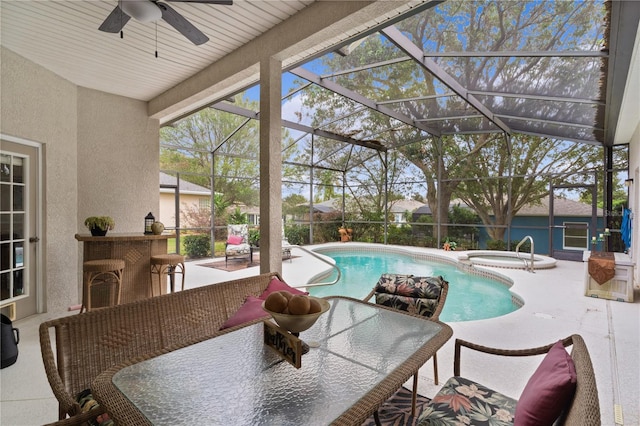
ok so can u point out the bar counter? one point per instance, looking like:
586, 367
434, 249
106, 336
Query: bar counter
136, 250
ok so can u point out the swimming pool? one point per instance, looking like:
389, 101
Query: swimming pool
470, 297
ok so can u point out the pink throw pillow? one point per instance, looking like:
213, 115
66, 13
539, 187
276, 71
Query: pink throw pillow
251, 309
234, 240
549, 391
277, 285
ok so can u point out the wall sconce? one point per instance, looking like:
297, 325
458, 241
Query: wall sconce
628, 182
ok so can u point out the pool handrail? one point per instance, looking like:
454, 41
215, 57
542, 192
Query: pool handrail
528, 267
317, 256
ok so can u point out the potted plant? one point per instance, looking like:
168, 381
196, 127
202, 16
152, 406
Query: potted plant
254, 237
99, 225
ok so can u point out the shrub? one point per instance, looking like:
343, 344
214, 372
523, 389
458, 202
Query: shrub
297, 234
197, 245
496, 245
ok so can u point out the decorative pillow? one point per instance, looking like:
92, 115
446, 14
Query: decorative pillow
277, 285
234, 240
410, 286
251, 309
549, 390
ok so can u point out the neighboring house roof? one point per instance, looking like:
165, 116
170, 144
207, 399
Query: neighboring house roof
423, 209
406, 205
186, 187
561, 207
328, 206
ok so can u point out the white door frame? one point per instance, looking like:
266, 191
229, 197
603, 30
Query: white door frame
38, 211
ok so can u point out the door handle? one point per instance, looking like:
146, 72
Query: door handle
34, 239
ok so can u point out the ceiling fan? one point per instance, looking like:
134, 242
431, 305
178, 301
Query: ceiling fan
153, 10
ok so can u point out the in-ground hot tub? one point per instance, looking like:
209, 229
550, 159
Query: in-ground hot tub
507, 259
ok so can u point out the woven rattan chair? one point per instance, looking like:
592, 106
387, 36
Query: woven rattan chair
389, 290
583, 410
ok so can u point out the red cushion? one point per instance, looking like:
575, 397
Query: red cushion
251, 309
549, 390
234, 240
277, 285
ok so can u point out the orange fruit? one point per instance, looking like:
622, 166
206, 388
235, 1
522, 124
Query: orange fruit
286, 294
299, 304
314, 306
276, 302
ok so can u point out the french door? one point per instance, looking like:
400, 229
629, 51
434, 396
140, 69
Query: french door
20, 169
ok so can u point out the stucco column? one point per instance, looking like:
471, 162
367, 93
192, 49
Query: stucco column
270, 165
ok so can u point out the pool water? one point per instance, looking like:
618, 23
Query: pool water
470, 297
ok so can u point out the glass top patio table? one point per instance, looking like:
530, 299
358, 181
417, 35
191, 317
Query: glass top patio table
365, 353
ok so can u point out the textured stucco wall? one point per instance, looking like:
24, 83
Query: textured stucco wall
101, 158
39, 106
118, 153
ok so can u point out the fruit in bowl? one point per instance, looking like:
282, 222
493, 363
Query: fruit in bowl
293, 312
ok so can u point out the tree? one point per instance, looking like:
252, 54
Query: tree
196, 137
534, 163
294, 205
462, 165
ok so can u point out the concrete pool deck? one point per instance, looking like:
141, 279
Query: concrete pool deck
555, 307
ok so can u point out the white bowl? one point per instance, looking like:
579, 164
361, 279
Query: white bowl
298, 323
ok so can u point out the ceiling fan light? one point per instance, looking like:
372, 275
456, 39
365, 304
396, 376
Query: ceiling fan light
141, 10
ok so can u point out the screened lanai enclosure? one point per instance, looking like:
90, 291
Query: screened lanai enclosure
471, 123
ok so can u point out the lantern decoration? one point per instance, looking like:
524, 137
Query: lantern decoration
148, 221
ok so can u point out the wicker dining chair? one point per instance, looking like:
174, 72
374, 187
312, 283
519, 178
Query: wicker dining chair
423, 296
547, 394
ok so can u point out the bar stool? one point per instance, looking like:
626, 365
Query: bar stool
103, 272
166, 264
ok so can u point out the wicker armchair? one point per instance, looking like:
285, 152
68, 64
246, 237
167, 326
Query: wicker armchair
583, 409
424, 296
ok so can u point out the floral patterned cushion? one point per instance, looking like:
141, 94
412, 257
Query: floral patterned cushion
413, 305
464, 402
417, 295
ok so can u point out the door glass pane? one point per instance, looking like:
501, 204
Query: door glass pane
18, 226
18, 284
4, 167
4, 256
18, 197
5, 227
18, 170
5, 197
4, 285
18, 255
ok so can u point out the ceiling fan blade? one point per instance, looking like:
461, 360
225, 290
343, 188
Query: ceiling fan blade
115, 21
223, 2
183, 26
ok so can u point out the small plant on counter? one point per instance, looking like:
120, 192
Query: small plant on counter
104, 223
